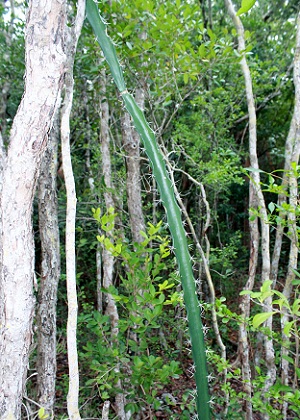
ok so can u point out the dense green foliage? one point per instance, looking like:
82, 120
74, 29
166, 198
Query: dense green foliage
195, 102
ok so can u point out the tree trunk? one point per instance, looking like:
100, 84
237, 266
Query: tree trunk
50, 273
45, 61
131, 145
257, 203
71, 45
108, 259
282, 199
245, 307
292, 222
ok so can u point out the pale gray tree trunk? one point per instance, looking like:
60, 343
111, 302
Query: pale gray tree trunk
108, 259
258, 202
50, 273
72, 37
131, 144
45, 63
292, 222
244, 355
282, 199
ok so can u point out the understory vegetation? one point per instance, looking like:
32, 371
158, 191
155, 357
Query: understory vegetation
226, 118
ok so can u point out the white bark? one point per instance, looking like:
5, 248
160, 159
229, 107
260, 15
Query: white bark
105, 410
72, 40
45, 62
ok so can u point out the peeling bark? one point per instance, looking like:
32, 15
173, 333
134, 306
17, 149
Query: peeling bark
45, 62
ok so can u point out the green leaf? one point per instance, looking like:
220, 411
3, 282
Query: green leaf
246, 6
287, 328
266, 286
296, 307
202, 51
250, 169
288, 359
271, 207
296, 282
261, 318
42, 414
165, 285
211, 35
245, 292
296, 273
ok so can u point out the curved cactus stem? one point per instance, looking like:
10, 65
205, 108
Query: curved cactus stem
172, 211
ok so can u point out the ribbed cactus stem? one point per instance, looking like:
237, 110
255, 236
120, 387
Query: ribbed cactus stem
172, 211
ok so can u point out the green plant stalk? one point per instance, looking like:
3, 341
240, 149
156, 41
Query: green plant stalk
172, 210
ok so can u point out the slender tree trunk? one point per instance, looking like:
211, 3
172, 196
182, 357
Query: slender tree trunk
108, 259
50, 273
131, 145
131, 142
71, 45
293, 204
245, 307
258, 203
282, 199
45, 61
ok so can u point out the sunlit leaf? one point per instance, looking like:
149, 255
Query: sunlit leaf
42, 414
287, 328
245, 7
261, 318
271, 207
